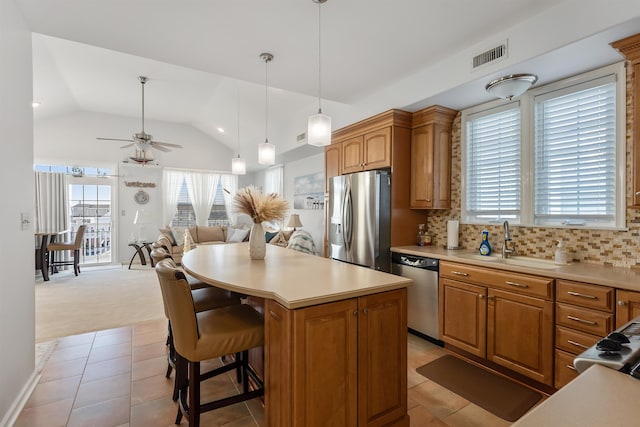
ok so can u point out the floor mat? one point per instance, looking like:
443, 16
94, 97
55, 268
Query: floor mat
498, 395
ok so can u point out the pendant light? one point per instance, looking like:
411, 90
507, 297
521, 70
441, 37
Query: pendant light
266, 151
238, 165
319, 125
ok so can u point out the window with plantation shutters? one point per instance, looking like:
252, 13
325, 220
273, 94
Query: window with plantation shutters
575, 155
553, 158
493, 164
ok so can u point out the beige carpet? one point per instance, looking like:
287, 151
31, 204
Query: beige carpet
99, 298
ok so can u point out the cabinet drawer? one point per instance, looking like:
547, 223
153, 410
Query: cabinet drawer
565, 371
583, 319
573, 341
524, 284
585, 295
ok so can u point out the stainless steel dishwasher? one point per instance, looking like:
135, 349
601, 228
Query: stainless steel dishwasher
422, 296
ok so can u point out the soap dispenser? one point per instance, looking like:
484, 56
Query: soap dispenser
561, 254
485, 247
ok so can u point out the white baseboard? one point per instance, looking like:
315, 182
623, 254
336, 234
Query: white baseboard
12, 414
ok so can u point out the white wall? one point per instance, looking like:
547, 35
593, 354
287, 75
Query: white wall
17, 325
71, 140
312, 220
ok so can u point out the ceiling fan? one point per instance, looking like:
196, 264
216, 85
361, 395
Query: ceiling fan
142, 140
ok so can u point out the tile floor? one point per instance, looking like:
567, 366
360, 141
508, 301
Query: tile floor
115, 378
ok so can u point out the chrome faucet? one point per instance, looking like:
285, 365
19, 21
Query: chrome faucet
507, 238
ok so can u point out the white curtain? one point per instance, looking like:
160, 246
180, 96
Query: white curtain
273, 180
229, 189
202, 191
171, 182
51, 202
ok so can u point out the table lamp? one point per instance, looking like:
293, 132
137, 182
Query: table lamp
294, 221
141, 218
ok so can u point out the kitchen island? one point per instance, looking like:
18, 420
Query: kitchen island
335, 334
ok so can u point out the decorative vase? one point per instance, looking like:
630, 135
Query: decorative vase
257, 242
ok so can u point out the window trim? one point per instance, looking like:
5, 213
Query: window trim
527, 109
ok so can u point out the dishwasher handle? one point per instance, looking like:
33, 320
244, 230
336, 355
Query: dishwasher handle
416, 261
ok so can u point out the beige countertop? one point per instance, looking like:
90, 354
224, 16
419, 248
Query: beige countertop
618, 277
598, 397
292, 278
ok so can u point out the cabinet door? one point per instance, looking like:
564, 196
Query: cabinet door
377, 149
325, 365
352, 155
520, 334
463, 315
628, 306
382, 358
422, 167
277, 365
332, 155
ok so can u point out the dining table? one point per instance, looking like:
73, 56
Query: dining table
335, 349
42, 255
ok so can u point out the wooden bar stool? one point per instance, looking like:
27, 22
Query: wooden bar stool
208, 335
204, 298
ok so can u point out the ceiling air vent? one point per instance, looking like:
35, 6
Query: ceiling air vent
491, 55
301, 138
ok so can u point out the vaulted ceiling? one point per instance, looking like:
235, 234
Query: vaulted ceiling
202, 57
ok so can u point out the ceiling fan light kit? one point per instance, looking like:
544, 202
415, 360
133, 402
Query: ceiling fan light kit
511, 86
266, 150
142, 141
319, 125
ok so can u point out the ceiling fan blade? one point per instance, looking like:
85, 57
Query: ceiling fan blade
128, 145
115, 139
166, 144
161, 148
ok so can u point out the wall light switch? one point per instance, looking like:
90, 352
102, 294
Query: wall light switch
25, 221
123, 213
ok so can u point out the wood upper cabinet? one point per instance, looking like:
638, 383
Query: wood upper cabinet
332, 157
342, 363
627, 307
431, 158
629, 47
367, 152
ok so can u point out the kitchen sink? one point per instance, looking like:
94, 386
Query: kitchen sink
522, 261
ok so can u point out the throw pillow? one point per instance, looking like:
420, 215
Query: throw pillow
269, 235
168, 232
210, 234
237, 234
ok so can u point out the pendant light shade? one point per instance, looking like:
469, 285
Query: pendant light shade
319, 125
266, 150
238, 165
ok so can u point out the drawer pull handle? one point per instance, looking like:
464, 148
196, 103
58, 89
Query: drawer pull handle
460, 273
578, 294
516, 284
571, 367
577, 319
577, 344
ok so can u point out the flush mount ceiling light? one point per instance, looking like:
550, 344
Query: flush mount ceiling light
238, 165
266, 151
319, 125
511, 86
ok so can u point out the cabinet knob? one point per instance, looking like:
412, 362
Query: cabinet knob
481, 296
365, 310
355, 312
622, 303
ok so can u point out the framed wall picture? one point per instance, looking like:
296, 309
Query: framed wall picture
308, 191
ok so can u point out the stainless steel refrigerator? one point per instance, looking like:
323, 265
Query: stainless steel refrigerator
359, 219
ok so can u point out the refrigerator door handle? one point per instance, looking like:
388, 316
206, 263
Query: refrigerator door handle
347, 218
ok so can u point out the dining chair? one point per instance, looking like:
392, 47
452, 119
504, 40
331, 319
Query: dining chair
74, 247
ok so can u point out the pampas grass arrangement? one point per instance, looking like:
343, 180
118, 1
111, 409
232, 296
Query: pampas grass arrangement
260, 207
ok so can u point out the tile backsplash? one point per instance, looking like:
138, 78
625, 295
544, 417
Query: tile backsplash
609, 247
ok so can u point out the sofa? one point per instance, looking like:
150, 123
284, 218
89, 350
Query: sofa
201, 235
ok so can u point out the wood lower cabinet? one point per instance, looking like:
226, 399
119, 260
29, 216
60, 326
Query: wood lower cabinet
506, 318
342, 363
627, 306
